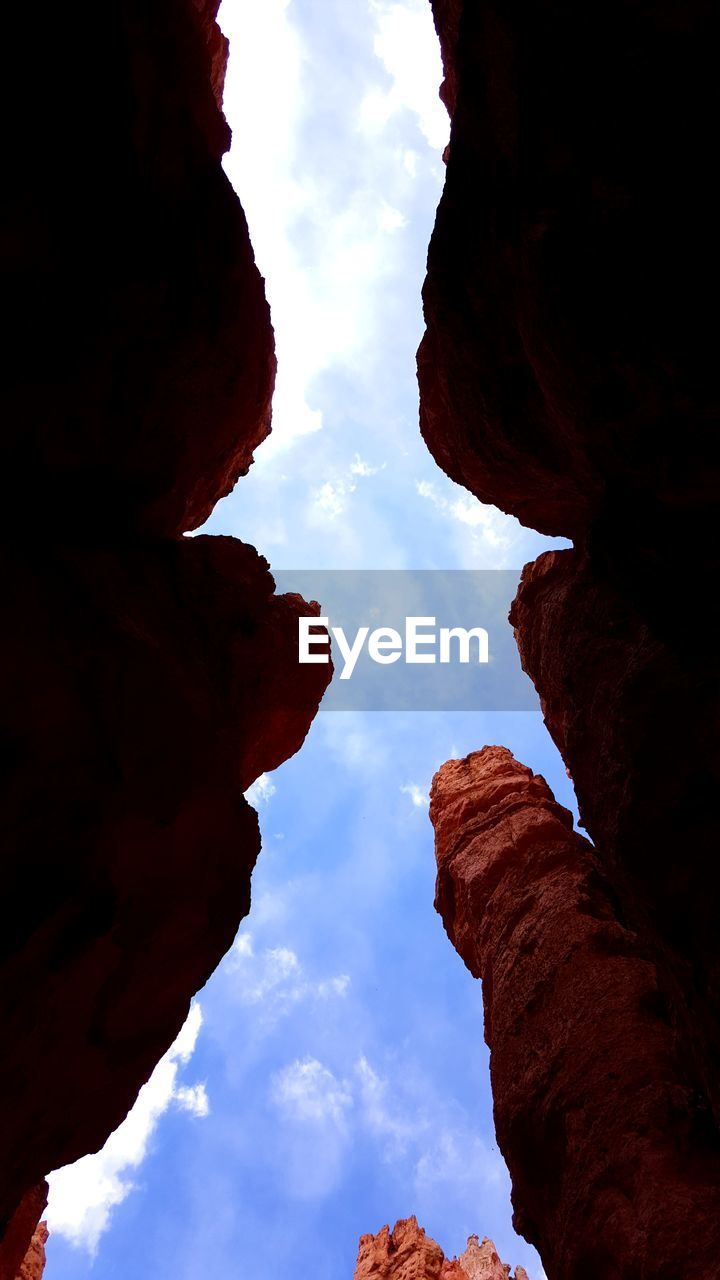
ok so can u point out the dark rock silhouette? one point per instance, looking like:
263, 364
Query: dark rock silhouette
22, 1251
568, 375
148, 678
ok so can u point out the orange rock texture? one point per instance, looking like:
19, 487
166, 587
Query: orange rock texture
607, 1141
149, 678
33, 1264
407, 1253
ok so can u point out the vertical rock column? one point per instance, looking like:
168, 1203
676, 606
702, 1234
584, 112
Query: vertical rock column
614, 1163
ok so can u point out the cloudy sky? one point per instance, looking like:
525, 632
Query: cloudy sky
332, 1075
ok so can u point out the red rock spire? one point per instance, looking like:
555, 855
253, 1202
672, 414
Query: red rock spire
407, 1253
602, 1133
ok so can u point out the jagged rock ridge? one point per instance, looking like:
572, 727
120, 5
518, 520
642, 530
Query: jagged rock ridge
407, 1253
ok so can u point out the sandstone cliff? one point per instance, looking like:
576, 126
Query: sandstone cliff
148, 679
406, 1253
568, 375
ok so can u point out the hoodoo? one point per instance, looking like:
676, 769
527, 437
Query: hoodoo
584, 1062
407, 1253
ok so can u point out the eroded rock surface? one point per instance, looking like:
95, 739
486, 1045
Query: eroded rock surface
610, 1145
148, 678
407, 1253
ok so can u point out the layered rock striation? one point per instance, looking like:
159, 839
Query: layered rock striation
407, 1253
568, 375
149, 678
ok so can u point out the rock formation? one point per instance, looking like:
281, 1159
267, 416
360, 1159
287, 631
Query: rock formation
609, 1144
32, 1266
406, 1253
149, 678
568, 375
22, 1253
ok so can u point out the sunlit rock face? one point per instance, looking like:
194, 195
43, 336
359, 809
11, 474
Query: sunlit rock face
568, 375
406, 1253
148, 678
614, 1164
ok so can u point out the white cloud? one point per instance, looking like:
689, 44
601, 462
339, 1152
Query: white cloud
381, 1116
243, 945
415, 80
308, 1092
458, 1159
410, 162
391, 219
496, 528
419, 797
83, 1195
261, 791
328, 1119
331, 498
439, 1150
275, 980
359, 467
193, 1098
315, 1134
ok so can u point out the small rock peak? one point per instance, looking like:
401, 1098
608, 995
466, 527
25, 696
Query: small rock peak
407, 1253
482, 1262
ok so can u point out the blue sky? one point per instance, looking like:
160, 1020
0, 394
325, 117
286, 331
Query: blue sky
332, 1076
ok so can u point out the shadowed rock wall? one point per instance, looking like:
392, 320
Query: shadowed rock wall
22, 1252
148, 679
568, 375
